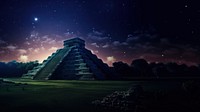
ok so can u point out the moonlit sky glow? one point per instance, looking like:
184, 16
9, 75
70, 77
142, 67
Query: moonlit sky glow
114, 30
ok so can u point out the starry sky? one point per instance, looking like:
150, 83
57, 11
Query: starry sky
114, 30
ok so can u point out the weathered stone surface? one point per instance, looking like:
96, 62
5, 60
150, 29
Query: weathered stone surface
121, 101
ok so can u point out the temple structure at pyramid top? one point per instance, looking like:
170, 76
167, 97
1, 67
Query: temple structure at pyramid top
73, 62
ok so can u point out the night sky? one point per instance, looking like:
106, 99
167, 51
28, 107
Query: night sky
115, 30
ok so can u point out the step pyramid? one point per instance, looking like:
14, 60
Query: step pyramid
73, 62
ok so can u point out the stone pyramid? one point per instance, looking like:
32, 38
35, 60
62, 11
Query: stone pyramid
73, 62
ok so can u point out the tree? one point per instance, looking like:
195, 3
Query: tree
16, 69
141, 67
122, 69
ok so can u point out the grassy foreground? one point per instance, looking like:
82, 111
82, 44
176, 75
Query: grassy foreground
55, 96
65, 95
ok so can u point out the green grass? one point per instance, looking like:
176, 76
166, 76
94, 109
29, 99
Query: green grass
65, 95
50, 96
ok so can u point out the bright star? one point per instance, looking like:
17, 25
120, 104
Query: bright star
35, 19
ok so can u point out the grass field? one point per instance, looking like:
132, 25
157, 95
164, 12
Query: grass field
63, 96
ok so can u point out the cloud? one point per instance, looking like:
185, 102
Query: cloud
34, 34
106, 45
45, 36
27, 43
52, 41
22, 51
164, 41
172, 52
97, 32
131, 38
95, 52
69, 35
95, 44
138, 37
124, 43
2, 41
30, 49
97, 36
2, 52
111, 59
118, 43
42, 48
53, 49
23, 58
36, 50
49, 40
11, 47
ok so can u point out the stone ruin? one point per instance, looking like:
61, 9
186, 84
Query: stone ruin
73, 62
121, 101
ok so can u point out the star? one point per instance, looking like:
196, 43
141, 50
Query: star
36, 19
186, 6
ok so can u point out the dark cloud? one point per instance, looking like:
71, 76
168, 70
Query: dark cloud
106, 45
125, 29
95, 44
97, 36
2, 42
132, 38
11, 47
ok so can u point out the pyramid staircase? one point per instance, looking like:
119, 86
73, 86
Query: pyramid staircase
52, 64
73, 66
73, 62
44, 70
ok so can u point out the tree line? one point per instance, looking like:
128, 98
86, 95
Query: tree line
140, 68
15, 69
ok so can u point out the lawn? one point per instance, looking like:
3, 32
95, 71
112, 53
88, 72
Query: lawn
64, 95
56, 96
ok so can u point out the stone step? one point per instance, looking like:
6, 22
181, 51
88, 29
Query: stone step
49, 68
82, 68
85, 74
80, 64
